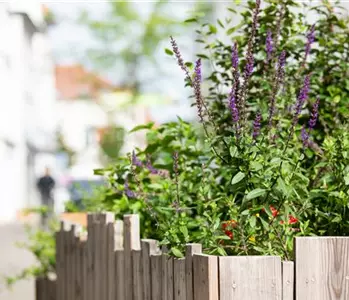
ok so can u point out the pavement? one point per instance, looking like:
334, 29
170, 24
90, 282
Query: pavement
12, 261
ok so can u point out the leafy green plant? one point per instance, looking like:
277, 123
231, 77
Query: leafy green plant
41, 243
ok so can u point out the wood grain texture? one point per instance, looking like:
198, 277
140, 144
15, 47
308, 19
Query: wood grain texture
179, 285
110, 260
90, 258
137, 275
287, 280
206, 277
167, 268
250, 277
322, 268
191, 249
119, 275
60, 264
148, 248
156, 276
131, 242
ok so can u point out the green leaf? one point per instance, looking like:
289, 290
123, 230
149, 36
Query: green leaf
213, 29
238, 177
255, 193
184, 230
202, 56
252, 221
98, 171
191, 20
141, 127
220, 23
176, 252
168, 51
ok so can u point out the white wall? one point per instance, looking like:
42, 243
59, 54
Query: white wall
26, 105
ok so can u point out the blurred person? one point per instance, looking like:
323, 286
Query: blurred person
45, 186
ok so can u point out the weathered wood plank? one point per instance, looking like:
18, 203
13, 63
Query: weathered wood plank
60, 263
287, 280
322, 268
206, 277
137, 275
148, 248
167, 275
119, 275
131, 242
110, 262
179, 279
250, 277
191, 249
156, 277
90, 257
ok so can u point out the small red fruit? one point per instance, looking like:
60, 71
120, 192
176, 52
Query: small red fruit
292, 220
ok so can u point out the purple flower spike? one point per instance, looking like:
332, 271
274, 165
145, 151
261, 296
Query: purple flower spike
128, 192
235, 56
179, 58
269, 45
150, 167
197, 89
314, 114
302, 97
257, 125
310, 41
305, 137
135, 160
249, 66
233, 107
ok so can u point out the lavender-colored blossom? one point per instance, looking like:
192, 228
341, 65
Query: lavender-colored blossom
249, 66
310, 41
233, 107
150, 167
257, 125
128, 192
302, 97
179, 58
314, 115
269, 45
135, 160
235, 57
249, 61
278, 80
197, 89
305, 137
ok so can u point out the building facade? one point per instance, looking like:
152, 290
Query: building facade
27, 104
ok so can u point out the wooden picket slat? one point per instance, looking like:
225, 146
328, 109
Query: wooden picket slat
148, 248
250, 277
191, 249
110, 260
167, 275
322, 268
287, 280
119, 275
131, 242
206, 277
179, 280
137, 275
119, 259
156, 276
60, 263
90, 257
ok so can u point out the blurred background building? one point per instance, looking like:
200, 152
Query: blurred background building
27, 113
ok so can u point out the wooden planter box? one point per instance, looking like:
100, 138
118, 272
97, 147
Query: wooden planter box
114, 263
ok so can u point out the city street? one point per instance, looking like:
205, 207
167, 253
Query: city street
12, 261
